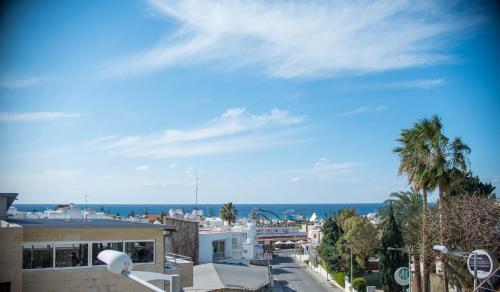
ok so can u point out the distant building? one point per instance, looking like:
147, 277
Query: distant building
61, 255
230, 243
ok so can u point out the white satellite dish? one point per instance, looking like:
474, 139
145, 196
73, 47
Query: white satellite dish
121, 264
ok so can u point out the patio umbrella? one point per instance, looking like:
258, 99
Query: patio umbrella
278, 242
289, 242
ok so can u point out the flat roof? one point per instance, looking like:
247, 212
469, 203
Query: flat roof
11, 197
80, 223
213, 276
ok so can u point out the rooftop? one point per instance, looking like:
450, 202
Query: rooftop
228, 276
79, 223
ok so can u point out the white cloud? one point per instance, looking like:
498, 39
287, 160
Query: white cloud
416, 84
37, 116
363, 109
172, 165
12, 83
303, 38
143, 167
235, 130
296, 179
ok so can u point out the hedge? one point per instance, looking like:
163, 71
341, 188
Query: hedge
359, 284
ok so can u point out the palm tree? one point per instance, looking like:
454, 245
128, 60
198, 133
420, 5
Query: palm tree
228, 213
432, 161
407, 210
414, 167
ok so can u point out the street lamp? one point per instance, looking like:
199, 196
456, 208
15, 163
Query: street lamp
407, 250
444, 250
120, 263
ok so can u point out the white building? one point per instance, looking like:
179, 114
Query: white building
238, 243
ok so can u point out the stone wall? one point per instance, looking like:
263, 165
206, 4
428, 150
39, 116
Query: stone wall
184, 241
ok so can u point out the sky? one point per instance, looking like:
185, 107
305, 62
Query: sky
263, 101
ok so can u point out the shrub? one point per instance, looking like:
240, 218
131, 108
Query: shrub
339, 277
359, 284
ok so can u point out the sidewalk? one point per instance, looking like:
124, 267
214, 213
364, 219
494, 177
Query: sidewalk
327, 284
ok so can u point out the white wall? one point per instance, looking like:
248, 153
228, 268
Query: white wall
206, 248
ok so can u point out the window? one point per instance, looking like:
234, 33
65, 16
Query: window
314, 235
219, 248
72, 255
38, 256
97, 247
140, 251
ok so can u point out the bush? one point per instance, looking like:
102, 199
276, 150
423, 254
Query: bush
339, 277
359, 284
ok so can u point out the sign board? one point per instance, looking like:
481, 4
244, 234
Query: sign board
486, 263
402, 276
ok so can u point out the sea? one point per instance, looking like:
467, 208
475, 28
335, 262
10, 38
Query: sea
321, 210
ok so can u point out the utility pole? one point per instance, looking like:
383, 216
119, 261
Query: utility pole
196, 190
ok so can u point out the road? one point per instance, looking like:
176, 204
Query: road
292, 276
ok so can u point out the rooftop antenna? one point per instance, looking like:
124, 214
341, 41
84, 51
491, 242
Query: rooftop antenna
196, 190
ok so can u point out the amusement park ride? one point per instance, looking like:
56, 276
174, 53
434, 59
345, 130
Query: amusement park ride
262, 217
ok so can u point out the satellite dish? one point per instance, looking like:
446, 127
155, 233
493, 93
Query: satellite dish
120, 263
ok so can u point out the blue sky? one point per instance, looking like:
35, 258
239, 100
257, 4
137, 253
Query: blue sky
271, 101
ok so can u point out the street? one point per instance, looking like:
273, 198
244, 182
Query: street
292, 276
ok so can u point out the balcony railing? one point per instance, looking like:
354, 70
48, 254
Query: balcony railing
172, 259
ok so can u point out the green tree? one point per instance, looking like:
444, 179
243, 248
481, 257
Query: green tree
162, 215
469, 184
101, 209
327, 248
406, 208
361, 234
343, 214
228, 213
131, 213
390, 261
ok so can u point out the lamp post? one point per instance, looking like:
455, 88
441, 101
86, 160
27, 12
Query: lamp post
457, 253
406, 250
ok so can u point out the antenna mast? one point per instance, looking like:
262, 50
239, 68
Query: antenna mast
196, 190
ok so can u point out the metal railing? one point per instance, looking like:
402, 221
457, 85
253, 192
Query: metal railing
172, 259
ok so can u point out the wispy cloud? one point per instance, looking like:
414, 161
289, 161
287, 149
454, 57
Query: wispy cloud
325, 169
143, 168
13, 83
234, 131
37, 116
303, 38
296, 179
416, 84
363, 109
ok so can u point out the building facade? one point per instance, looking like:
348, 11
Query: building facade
61, 255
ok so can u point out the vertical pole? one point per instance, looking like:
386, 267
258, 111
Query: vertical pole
475, 270
409, 267
350, 246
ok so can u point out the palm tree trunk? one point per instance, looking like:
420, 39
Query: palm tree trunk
425, 272
442, 228
418, 274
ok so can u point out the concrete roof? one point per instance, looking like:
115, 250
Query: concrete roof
80, 223
219, 276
